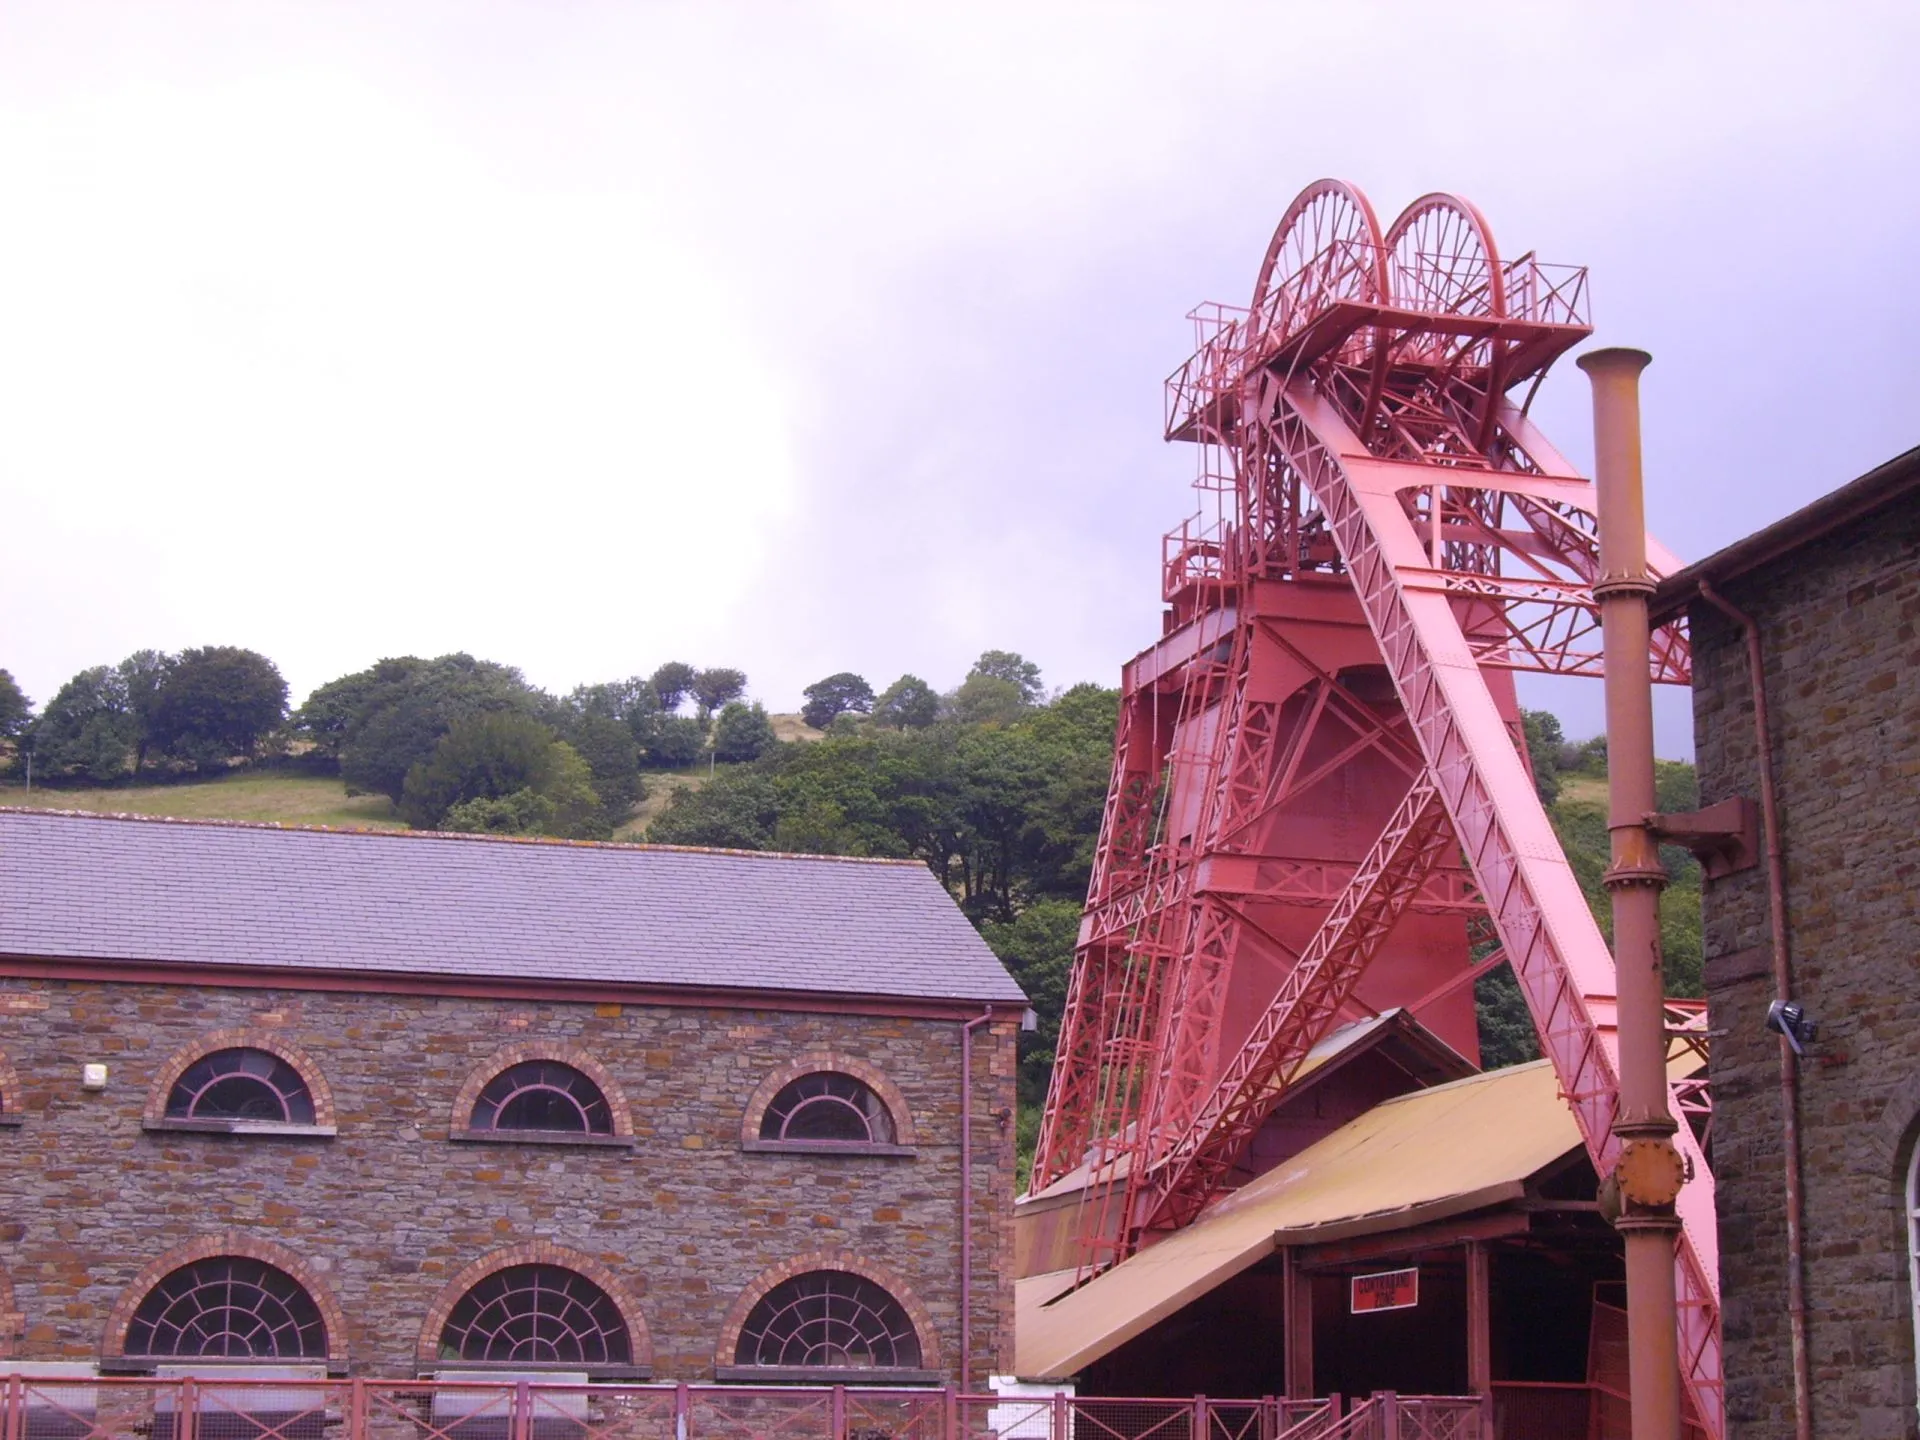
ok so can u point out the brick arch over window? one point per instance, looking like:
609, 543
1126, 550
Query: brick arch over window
813, 1063
9, 1089
1889, 1145
534, 1252
847, 1260
227, 1243
12, 1322
554, 1051
251, 1037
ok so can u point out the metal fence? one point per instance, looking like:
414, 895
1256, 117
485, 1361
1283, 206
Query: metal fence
217, 1408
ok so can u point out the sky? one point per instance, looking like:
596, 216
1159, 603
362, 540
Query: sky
808, 337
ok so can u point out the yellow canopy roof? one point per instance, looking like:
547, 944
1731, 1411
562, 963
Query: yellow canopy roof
1421, 1157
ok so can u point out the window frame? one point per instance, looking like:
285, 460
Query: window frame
429, 1363
149, 1360
1913, 1255
776, 1083
319, 1094
733, 1370
461, 1129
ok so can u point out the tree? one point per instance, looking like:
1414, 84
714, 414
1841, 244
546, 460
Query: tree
1544, 744
16, 711
495, 756
908, 704
835, 695
142, 675
613, 760
714, 688
564, 806
742, 732
212, 704
87, 729
325, 716
672, 742
738, 811
987, 700
1037, 947
671, 682
411, 704
1016, 670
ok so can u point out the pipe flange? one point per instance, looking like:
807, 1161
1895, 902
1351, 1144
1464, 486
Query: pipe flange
1650, 1172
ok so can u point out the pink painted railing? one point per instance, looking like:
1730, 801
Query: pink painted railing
211, 1408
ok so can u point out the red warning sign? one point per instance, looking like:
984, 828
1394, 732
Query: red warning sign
1389, 1290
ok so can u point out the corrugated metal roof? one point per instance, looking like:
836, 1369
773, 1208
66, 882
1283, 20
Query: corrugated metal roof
1424, 1156
1356, 1035
116, 888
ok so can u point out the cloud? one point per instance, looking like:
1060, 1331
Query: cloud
815, 337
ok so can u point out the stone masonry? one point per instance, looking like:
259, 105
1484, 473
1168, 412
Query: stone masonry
387, 1218
1838, 620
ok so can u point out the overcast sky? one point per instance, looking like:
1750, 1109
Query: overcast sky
809, 337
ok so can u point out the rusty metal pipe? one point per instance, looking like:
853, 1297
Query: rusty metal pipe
1783, 990
1648, 1174
966, 1194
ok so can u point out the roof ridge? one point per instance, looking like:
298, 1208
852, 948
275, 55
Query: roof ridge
215, 823
1479, 1077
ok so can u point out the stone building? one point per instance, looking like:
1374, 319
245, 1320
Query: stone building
1834, 595
399, 1104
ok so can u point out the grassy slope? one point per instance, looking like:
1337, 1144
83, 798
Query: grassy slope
318, 800
289, 799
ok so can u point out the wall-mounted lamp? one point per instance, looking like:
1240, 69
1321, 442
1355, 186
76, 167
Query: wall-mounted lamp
1788, 1019
93, 1077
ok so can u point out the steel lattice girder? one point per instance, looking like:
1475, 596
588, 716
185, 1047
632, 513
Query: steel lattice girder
1354, 421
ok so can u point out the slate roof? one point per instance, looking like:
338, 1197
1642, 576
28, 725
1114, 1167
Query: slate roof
121, 888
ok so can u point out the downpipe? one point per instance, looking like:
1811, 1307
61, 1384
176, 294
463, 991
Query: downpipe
1783, 991
966, 1194
1649, 1171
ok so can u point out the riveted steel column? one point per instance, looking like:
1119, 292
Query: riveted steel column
1648, 1175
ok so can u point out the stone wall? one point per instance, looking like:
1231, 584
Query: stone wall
1838, 622
382, 1217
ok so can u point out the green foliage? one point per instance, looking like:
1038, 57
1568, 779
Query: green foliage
325, 716
613, 759
713, 689
835, 695
671, 683
987, 700
143, 675
410, 704
495, 757
1506, 1029
16, 711
671, 742
1544, 743
210, 705
1016, 670
87, 730
742, 732
910, 703
1005, 815
1037, 947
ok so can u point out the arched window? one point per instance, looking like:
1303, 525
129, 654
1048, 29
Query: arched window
827, 1108
828, 1319
1913, 1246
228, 1307
542, 1095
241, 1084
533, 1315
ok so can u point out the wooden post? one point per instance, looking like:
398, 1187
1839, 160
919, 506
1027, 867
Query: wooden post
1297, 1298
1479, 1322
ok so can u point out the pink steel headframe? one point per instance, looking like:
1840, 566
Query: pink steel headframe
1355, 426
